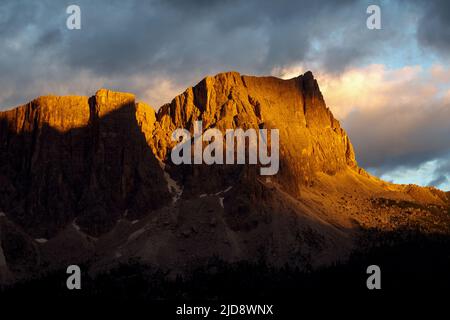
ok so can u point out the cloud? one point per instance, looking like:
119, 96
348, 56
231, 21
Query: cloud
430, 173
397, 119
441, 174
400, 119
390, 87
443, 179
183, 41
434, 26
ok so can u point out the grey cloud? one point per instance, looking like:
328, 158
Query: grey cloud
438, 181
441, 173
434, 26
186, 40
182, 39
399, 136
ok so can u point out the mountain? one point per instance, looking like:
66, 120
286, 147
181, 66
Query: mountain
90, 180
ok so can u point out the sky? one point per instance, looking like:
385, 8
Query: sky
390, 88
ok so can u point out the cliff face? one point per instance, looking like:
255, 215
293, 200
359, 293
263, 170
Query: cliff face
311, 140
67, 158
95, 175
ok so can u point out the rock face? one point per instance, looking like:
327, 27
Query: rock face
311, 139
66, 158
93, 176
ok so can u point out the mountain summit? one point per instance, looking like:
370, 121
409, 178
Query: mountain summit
90, 179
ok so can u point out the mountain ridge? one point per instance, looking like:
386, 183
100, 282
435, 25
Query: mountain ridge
93, 174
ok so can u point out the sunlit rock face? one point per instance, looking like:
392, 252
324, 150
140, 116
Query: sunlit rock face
311, 140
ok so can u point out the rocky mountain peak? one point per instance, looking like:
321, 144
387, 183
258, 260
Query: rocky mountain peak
311, 138
107, 101
94, 174
101, 153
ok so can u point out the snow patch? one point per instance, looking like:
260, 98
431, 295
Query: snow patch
2, 258
77, 227
224, 191
134, 221
2, 214
217, 195
136, 234
41, 240
174, 188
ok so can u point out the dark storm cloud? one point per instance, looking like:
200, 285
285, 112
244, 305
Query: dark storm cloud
192, 38
400, 136
182, 39
434, 26
181, 36
441, 173
188, 39
438, 181
121, 38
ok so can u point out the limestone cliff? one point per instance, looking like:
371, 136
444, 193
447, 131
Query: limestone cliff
67, 158
311, 139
